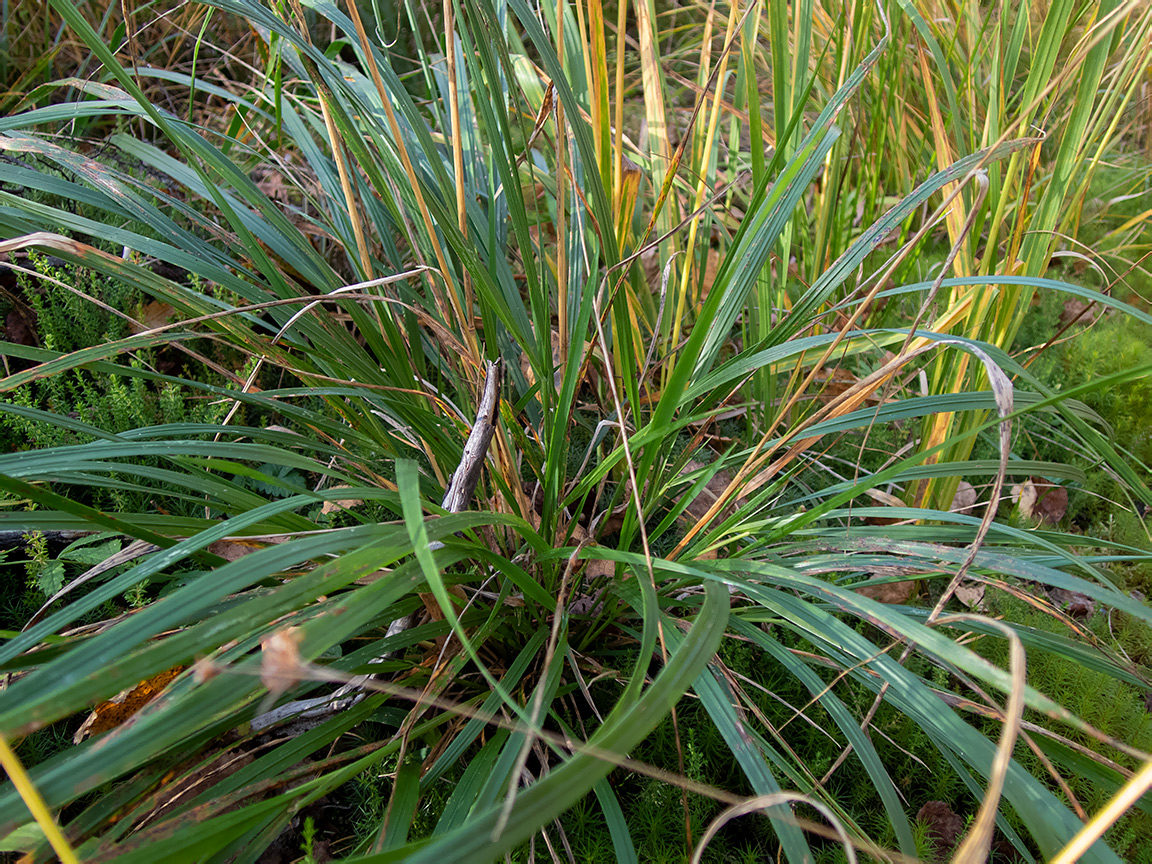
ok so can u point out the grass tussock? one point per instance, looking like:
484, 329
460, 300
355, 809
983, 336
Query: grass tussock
593, 430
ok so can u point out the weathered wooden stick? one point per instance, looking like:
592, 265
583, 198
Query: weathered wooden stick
463, 483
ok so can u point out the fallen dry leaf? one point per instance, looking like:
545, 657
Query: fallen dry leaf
1074, 311
699, 506
121, 707
971, 594
1078, 606
964, 499
834, 383
599, 568
1041, 500
1051, 501
154, 314
889, 592
231, 550
281, 667
1024, 496
340, 504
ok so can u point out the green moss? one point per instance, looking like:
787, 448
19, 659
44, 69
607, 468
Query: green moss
1115, 708
67, 321
1115, 345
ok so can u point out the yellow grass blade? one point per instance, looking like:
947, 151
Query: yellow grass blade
36, 806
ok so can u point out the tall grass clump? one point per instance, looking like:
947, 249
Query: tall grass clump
560, 249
